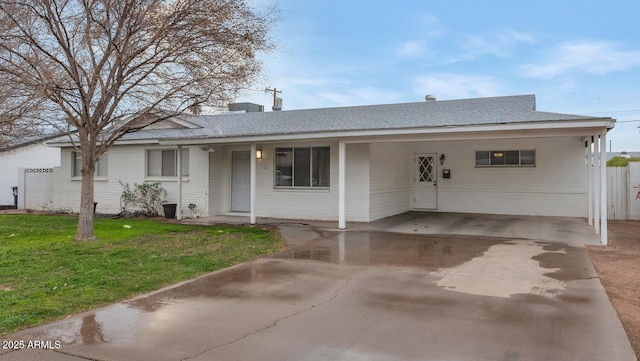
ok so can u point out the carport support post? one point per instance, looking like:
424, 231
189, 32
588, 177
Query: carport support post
179, 172
253, 184
590, 155
597, 149
342, 167
603, 189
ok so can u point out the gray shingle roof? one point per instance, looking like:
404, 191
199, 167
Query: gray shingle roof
36, 137
428, 114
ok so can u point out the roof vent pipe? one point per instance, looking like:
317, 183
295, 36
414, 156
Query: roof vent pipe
430, 98
278, 106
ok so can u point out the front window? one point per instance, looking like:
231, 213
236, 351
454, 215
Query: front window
164, 162
101, 167
306, 167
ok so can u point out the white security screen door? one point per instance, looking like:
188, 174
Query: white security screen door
241, 181
425, 181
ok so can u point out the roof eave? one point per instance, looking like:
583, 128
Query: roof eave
598, 125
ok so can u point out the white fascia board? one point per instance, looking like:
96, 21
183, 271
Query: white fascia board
445, 133
119, 142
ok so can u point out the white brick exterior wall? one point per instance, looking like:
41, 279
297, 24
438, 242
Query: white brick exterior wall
218, 180
127, 164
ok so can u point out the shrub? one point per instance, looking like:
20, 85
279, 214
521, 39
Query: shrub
621, 161
146, 197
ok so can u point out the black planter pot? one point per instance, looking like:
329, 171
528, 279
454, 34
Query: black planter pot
169, 210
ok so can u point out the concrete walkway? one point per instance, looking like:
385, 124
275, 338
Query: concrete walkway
575, 231
366, 295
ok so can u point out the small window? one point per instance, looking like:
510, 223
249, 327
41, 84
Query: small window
304, 167
507, 158
164, 162
482, 158
528, 157
101, 167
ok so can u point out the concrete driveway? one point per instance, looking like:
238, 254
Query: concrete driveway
364, 295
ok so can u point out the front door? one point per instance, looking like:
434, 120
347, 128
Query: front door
425, 182
240, 181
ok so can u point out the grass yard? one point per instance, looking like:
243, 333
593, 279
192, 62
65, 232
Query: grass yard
46, 275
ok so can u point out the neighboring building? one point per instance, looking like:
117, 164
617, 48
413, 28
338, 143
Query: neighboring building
25, 153
624, 154
487, 155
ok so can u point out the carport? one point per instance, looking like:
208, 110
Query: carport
432, 164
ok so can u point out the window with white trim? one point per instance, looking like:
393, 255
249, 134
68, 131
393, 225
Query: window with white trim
506, 158
101, 166
303, 167
164, 162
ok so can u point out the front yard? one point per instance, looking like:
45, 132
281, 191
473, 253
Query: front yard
46, 275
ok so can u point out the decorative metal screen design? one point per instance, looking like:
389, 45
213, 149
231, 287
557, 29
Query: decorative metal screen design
425, 168
38, 170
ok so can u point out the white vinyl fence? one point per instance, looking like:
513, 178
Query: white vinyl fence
623, 192
634, 190
35, 188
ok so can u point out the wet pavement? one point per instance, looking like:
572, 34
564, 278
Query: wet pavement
363, 296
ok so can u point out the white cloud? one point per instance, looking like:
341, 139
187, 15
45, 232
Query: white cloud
500, 45
412, 48
419, 47
452, 86
596, 58
428, 29
513, 37
359, 96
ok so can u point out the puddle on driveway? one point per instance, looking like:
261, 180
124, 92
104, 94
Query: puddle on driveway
394, 250
496, 267
278, 284
567, 262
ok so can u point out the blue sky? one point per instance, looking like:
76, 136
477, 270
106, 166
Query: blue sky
579, 57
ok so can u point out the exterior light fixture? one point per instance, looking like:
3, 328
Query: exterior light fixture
258, 153
442, 159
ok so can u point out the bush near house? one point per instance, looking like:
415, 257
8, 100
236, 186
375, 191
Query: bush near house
146, 197
46, 275
621, 161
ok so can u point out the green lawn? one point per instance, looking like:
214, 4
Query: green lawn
46, 275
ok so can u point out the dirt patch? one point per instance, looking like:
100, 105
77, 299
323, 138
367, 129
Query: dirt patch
618, 267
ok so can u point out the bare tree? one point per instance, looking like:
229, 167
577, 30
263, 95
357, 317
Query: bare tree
92, 65
14, 125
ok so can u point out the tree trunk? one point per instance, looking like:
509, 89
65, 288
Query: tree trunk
85, 218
